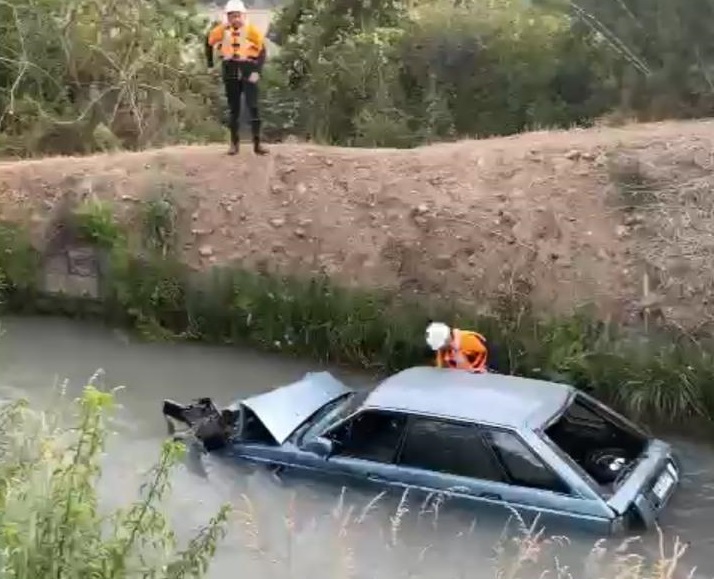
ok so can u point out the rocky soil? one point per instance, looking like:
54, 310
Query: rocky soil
616, 218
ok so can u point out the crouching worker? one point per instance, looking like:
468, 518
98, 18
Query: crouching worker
242, 49
460, 349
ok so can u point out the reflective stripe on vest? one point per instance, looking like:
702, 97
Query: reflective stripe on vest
456, 352
238, 45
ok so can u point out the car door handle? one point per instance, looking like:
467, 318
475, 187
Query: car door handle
375, 477
490, 496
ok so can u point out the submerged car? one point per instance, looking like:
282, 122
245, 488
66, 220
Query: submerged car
538, 447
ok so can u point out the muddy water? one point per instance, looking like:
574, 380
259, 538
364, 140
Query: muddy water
288, 528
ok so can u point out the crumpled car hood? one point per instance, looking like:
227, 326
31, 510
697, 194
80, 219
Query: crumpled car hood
284, 409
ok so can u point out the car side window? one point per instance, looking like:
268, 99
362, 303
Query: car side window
449, 447
370, 435
523, 466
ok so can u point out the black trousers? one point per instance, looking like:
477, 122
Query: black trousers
235, 80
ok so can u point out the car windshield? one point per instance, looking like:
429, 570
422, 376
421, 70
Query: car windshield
332, 412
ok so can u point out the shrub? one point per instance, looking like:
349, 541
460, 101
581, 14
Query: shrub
441, 70
86, 77
51, 523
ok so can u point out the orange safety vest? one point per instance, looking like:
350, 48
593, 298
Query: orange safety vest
464, 345
245, 43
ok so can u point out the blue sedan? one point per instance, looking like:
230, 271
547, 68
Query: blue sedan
538, 447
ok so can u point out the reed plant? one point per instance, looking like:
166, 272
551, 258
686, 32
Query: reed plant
51, 521
413, 540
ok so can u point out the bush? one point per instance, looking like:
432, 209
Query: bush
86, 76
51, 523
440, 71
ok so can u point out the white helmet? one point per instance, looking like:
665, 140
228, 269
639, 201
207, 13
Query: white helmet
234, 6
437, 335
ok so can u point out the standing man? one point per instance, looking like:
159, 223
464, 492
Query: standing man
242, 49
460, 349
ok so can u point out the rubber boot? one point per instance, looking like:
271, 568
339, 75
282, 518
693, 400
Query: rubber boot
234, 131
258, 149
235, 147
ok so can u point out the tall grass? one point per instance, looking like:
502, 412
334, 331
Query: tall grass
51, 521
412, 540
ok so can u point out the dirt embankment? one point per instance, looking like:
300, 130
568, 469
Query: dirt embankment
619, 218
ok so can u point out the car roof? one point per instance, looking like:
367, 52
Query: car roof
494, 399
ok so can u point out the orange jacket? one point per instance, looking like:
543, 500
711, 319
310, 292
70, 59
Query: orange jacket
246, 44
467, 351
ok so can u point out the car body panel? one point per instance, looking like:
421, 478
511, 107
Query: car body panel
483, 398
284, 409
653, 465
518, 406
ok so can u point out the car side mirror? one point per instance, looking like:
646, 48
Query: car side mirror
321, 446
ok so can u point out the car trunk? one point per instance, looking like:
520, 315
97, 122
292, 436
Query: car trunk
649, 485
629, 469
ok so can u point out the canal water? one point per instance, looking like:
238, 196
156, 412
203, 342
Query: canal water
284, 529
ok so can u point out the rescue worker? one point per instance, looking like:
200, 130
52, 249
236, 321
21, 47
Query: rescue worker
242, 49
460, 349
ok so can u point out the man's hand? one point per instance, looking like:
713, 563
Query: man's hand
254, 77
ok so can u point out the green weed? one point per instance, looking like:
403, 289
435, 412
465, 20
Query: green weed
648, 377
95, 223
160, 216
19, 262
51, 524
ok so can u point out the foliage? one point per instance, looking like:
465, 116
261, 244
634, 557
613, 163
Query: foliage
19, 262
376, 536
95, 222
661, 53
51, 523
334, 57
80, 75
160, 217
77, 76
439, 70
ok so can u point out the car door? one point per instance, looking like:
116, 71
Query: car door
364, 449
451, 461
533, 487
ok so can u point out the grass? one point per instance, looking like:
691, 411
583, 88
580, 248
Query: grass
95, 222
415, 540
159, 218
53, 522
